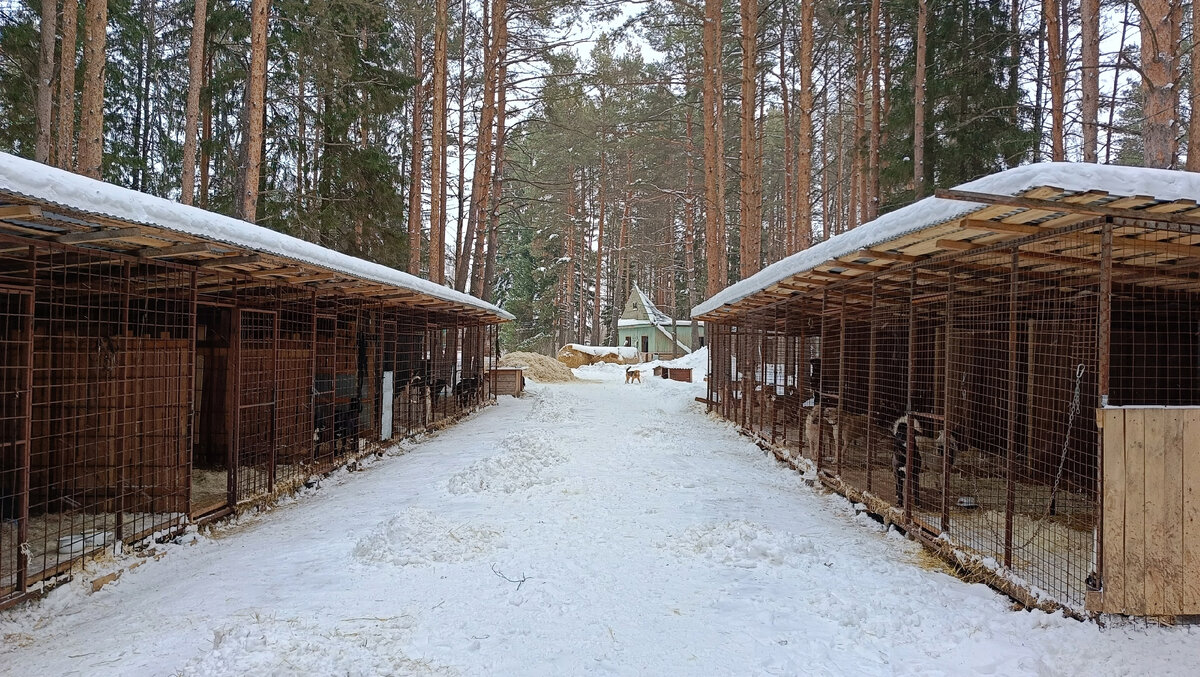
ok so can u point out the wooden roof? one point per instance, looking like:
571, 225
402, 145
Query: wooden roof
215, 260
1155, 243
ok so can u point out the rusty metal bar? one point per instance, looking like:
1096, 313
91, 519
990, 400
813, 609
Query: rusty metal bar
872, 363
838, 444
948, 442
910, 442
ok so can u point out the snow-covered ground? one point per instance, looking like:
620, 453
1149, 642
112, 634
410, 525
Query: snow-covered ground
588, 528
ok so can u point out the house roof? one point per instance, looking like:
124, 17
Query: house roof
55, 205
640, 307
1036, 200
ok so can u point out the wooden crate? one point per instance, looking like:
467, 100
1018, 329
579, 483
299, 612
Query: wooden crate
508, 380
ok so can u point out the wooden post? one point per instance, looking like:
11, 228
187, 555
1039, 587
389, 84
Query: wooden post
1010, 492
312, 369
27, 413
871, 349
123, 425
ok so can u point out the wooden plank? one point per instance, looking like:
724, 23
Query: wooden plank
20, 212
1135, 512
176, 250
1189, 596
1172, 543
1155, 566
1114, 510
231, 261
1055, 206
99, 235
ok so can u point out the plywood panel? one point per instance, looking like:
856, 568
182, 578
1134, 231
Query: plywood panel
1135, 511
1155, 534
1114, 510
1171, 549
1190, 587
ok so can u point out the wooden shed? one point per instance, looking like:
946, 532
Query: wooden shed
1009, 370
160, 364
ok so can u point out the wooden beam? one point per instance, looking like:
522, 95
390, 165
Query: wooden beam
20, 212
1063, 206
231, 261
887, 256
176, 250
99, 235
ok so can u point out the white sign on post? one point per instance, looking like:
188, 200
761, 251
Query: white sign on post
385, 424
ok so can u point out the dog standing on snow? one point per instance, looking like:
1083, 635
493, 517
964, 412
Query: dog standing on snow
633, 375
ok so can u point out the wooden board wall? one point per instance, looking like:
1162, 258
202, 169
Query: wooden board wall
1151, 512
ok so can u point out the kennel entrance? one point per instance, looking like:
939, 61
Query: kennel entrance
15, 365
254, 453
212, 455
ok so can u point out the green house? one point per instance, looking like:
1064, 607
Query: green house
653, 332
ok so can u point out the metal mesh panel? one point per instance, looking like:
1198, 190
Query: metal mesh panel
255, 424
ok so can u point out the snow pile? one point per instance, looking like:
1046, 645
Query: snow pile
528, 456
747, 545
39, 182
417, 537
696, 361
1162, 184
295, 646
538, 367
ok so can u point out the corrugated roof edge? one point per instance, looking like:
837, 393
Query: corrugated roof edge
35, 181
1162, 184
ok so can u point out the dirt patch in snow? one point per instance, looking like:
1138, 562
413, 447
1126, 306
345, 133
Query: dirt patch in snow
748, 545
418, 537
539, 367
527, 458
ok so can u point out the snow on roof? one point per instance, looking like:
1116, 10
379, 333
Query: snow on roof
1162, 184
600, 351
656, 316
36, 181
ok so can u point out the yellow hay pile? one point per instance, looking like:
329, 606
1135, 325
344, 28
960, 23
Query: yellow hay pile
574, 358
538, 367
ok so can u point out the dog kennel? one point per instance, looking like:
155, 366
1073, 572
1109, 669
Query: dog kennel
1010, 371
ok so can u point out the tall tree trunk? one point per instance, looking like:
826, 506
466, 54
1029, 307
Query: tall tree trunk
602, 201
1089, 13
301, 138
256, 92
714, 207
804, 137
1160, 73
570, 306
873, 143
192, 114
1193, 157
1058, 78
689, 219
45, 84
418, 164
919, 102
460, 192
497, 74
486, 276
91, 121
858, 187
789, 156
64, 149
750, 228
437, 171
205, 132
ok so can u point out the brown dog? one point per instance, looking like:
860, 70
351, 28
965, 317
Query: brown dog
633, 375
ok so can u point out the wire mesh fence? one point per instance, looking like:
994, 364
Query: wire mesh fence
136, 395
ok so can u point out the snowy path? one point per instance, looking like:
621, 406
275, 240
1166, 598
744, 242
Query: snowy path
654, 541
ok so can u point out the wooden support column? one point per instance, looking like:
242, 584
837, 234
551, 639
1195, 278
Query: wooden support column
801, 371
871, 364
1010, 492
312, 369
